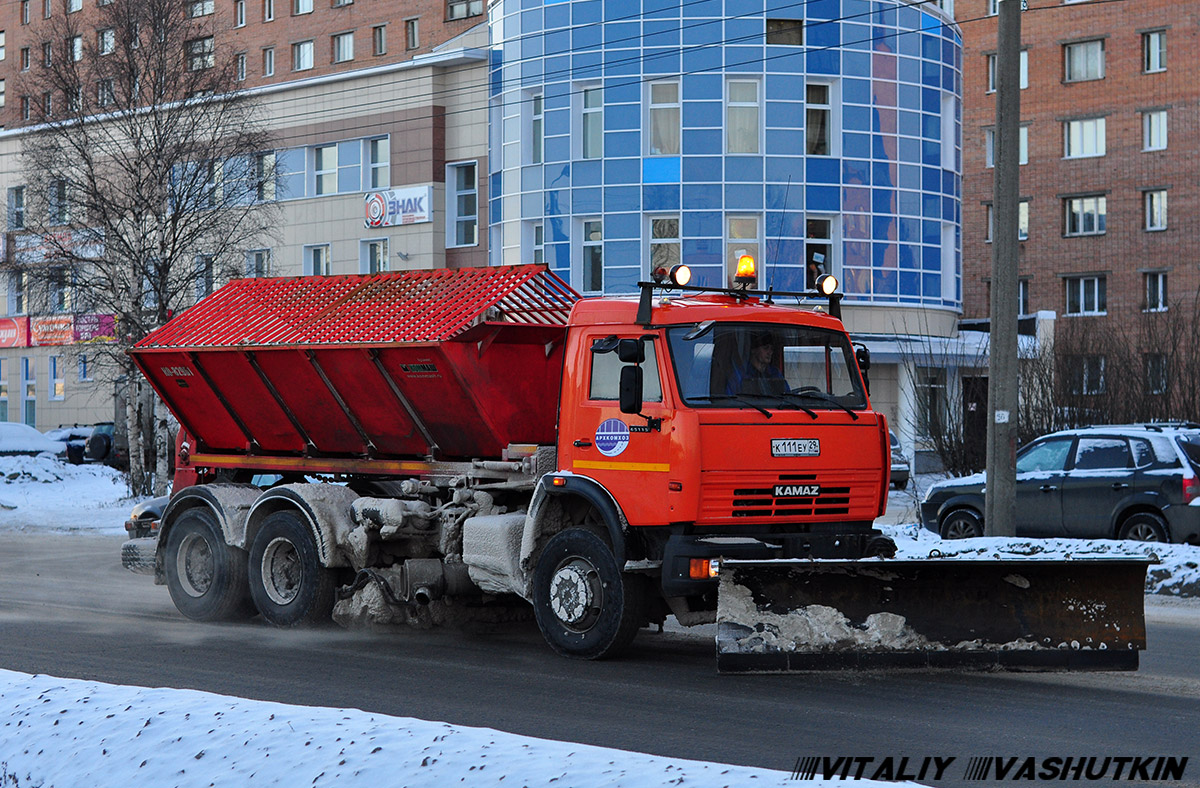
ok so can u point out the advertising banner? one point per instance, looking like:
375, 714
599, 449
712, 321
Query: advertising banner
95, 328
51, 330
14, 332
411, 205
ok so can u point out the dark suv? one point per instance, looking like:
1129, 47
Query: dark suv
1139, 481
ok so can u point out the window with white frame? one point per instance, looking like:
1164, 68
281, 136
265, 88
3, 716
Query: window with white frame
1023, 297
743, 125
741, 238
462, 204
268, 61
818, 119
61, 286
47, 8
379, 40
1154, 51
258, 263
58, 202
665, 248
239, 13
205, 273
1156, 291
818, 250
373, 256
664, 135
264, 177
325, 169
75, 45
1083, 61
461, 9
1086, 374
1087, 295
24, 58
1086, 215
106, 41
1154, 130
302, 56
592, 122
16, 207
57, 377
200, 53
84, 370
316, 260
539, 243
379, 162
239, 66
1023, 67
302, 6
993, 7
931, 400
200, 8
1023, 220
1157, 366
592, 244
1083, 138
989, 146
268, 10
18, 293
537, 128
2, 93
343, 47
1155, 202
412, 33
28, 392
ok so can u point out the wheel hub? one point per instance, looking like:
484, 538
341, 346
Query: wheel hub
575, 594
195, 565
281, 571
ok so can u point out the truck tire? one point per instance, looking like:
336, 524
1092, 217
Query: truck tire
586, 607
288, 584
1144, 527
206, 577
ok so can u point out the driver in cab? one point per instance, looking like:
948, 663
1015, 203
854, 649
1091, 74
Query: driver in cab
757, 373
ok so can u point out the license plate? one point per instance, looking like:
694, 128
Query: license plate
797, 490
795, 447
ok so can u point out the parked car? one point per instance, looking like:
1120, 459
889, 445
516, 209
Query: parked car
1139, 481
143, 520
21, 439
75, 437
900, 468
102, 447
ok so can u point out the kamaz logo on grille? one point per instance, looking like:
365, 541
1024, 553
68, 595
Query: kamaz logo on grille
797, 490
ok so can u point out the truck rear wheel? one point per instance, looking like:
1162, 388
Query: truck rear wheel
289, 585
585, 605
206, 577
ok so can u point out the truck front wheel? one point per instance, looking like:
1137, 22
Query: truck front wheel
585, 605
289, 585
206, 577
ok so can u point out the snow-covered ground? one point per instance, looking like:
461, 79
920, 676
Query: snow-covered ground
63, 732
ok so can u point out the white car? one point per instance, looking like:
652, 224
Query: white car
16, 438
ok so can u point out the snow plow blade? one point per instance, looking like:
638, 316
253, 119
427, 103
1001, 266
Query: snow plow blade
801, 615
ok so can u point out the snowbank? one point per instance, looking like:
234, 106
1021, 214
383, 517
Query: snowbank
48, 494
63, 732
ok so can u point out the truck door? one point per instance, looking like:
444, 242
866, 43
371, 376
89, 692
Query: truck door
627, 453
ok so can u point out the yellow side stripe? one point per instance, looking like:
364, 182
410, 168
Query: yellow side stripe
659, 467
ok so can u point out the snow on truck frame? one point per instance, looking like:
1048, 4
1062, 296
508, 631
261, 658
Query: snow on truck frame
489, 437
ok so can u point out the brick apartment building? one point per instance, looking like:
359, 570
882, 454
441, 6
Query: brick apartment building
357, 97
1109, 185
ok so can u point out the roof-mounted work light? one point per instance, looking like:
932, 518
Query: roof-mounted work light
678, 275
827, 284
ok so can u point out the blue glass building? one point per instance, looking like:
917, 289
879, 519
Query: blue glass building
818, 135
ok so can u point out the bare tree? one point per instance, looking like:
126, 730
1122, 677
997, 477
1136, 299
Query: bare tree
148, 173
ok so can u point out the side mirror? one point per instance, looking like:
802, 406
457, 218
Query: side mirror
631, 388
863, 356
631, 351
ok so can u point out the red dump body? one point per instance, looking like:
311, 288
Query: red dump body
347, 372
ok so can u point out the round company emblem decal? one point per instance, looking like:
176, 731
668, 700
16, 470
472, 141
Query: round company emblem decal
376, 209
612, 436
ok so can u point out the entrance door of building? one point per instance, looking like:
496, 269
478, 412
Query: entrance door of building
974, 409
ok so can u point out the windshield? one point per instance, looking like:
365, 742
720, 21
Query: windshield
765, 365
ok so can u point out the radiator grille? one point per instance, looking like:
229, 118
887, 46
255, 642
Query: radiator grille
737, 496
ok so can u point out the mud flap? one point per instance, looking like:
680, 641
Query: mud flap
1013, 614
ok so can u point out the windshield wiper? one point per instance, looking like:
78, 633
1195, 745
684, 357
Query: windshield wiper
823, 397
735, 398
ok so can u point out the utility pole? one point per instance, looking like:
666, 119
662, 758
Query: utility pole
999, 519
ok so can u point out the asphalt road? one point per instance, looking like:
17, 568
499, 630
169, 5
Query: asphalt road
67, 608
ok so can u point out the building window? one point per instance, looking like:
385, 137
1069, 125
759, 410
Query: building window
1087, 295
239, 61
200, 8
239, 13
302, 56
264, 177
3, 45
1155, 201
989, 146
1156, 291
75, 47
24, 58
818, 248
59, 210
106, 41
1083, 61
461, 9
592, 123
1023, 297
302, 6
84, 371
16, 208
25, 108
412, 34
1086, 215
58, 383
993, 7
785, 32
931, 398
539, 243
341, 3
1156, 365
343, 47
316, 260
47, 6
1083, 138
537, 127
462, 203
741, 237
205, 273
1023, 220
258, 262
47, 104
1086, 374
664, 119
47, 54
4, 388
379, 162
28, 392
664, 243
373, 256
1154, 51
379, 40
268, 10
1154, 130
269, 62
18, 293
3, 93
325, 168
742, 128
61, 291
104, 92
1023, 68
593, 255
200, 53
24, 12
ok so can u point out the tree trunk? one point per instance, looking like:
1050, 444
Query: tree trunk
133, 432
162, 448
